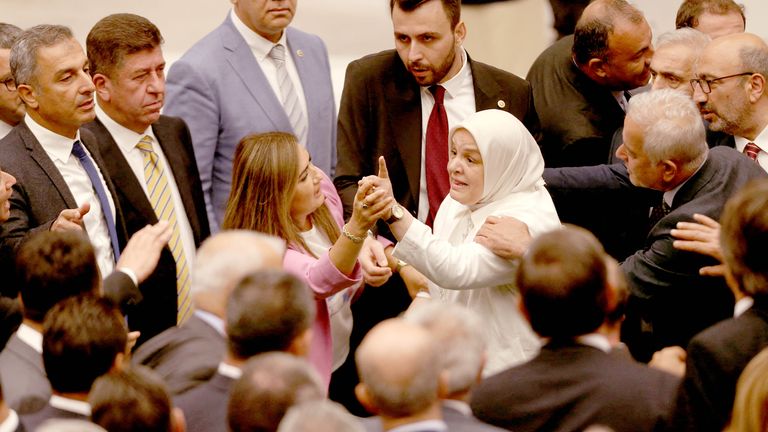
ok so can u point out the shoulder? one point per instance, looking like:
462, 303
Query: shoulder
375, 64
500, 75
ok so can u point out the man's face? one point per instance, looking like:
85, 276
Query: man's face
136, 90
672, 67
629, 55
60, 95
6, 183
426, 43
642, 172
716, 25
727, 106
268, 18
11, 108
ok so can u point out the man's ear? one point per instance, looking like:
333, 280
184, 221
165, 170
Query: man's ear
460, 32
178, 422
670, 170
756, 87
103, 87
27, 95
596, 67
361, 391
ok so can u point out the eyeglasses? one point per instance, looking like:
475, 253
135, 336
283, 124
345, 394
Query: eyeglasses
9, 84
706, 85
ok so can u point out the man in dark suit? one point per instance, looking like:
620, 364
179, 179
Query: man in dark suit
188, 355
126, 63
568, 285
61, 183
665, 149
267, 311
717, 356
84, 337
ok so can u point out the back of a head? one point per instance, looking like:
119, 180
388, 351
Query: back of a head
461, 338
744, 238
750, 408
51, 266
597, 22
688, 37
68, 425
82, 338
267, 311
690, 11
225, 258
271, 383
399, 368
671, 126
563, 283
131, 400
116, 36
23, 57
8, 35
319, 416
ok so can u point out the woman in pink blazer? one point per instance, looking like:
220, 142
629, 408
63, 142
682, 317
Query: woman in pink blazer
277, 190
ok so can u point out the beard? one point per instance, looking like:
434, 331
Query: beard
435, 73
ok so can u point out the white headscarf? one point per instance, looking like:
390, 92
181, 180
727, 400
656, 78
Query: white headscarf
513, 167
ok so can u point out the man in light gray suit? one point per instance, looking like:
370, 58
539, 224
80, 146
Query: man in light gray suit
252, 74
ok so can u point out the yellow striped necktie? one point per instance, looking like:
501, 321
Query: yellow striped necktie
162, 202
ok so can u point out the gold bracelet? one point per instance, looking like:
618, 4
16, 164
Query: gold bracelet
353, 238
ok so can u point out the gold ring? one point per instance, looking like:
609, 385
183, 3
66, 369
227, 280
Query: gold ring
365, 206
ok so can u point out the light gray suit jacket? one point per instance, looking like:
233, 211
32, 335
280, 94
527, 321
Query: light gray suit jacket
22, 374
218, 88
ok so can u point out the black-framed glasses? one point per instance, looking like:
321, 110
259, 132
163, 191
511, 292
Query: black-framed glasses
9, 84
706, 84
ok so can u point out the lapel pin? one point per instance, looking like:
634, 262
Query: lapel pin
501, 104
300, 53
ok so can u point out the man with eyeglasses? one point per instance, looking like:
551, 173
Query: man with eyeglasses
11, 108
730, 90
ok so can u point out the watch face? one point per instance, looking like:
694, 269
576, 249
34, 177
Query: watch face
397, 211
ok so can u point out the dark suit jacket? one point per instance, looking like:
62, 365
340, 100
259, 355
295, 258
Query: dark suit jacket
205, 407
157, 310
380, 115
716, 358
22, 374
568, 387
40, 192
453, 418
185, 357
32, 421
578, 117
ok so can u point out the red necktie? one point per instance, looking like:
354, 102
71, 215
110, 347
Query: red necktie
751, 150
436, 154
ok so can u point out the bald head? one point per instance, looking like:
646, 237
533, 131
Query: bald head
399, 369
226, 258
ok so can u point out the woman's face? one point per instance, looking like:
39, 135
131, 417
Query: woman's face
307, 196
465, 169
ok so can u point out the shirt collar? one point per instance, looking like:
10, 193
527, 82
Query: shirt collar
761, 140
57, 146
71, 405
742, 306
258, 44
459, 406
5, 128
212, 320
31, 337
430, 425
11, 423
595, 340
454, 85
230, 371
125, 138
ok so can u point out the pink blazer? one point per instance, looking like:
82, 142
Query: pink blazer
324, 279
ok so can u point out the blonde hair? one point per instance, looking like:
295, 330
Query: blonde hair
264, 177
750, 408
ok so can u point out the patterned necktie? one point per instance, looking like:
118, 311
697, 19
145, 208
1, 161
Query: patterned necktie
751, 150
290, 99
101, 194
436, 153
657, 213
162, 202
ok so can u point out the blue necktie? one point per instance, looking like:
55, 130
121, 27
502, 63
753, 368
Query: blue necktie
90, 169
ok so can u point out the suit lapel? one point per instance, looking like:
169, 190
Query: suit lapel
244, 65
405, 121
488, 93
694, 184
39, 155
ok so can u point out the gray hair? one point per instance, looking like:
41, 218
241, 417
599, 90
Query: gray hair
461, 339
755, 59
672, 127
24, 50
8, 35
228, 256
688, 37
319, 416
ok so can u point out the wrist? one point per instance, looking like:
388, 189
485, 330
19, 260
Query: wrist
352, 236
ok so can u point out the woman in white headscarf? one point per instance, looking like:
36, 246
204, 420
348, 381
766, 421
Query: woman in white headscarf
495, 169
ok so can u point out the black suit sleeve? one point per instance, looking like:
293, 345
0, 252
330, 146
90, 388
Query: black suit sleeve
119, 288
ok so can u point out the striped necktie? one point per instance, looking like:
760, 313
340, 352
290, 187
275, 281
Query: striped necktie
162, 202
290, 99
751, 150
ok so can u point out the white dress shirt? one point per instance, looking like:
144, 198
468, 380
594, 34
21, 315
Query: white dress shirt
595, 340
742, 306
459, 103
260, 47
31, 337
4, 128
11, 423
71, 405
425, 425
230, 371
59, 150
127, 140
761, 141
213, 321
